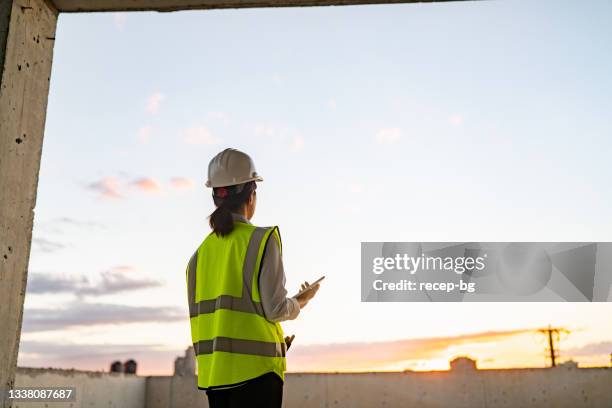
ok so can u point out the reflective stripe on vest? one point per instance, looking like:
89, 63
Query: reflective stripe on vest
257, 348
233, 340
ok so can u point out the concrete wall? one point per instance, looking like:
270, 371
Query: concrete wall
550, 388
174, 392
27, 36
554, 388
94, 389
537, 388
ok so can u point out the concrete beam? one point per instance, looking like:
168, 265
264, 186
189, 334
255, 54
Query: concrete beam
27, 36
174, 5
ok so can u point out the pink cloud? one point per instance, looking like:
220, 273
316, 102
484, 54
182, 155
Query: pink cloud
367, 356
144, 134
200, 135
154, 101
388, 135
456, 119
112, 187
108, 187
123, 269
181, 183
298, 143
120, 19
355, 188
219, 116
290, 137
147, 185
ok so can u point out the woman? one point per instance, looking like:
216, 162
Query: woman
237, 296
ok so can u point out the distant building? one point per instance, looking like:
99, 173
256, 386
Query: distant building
130, 366
116, 367
567, 364
463, 364
186, 365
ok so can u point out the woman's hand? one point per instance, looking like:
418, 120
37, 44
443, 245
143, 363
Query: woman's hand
305, 297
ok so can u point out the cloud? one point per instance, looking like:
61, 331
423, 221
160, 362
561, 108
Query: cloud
81, 313
79, 223
120, 19
355, 188
290, 137
144, 134
146, 185
153, 102
56, 227
298, 143
218, 115
388, 135
71, 350
265, 129
47, 245
152, 359
42, 283
592, 349
365, 355
111, 187
272, 130
456, 119
277, 78
181, 183
331, 104
199, 135
124, 269
108, 187
116, 280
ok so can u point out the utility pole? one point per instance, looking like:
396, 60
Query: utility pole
553, 335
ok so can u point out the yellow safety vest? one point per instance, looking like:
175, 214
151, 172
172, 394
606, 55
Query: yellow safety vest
233, 340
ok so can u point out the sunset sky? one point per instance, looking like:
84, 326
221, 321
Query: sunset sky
467, 121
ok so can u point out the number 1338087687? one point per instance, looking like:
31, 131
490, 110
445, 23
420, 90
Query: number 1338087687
42, 394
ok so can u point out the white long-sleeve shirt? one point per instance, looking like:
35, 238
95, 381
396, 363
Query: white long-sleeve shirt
276, 305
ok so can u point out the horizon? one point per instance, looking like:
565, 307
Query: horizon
427, 355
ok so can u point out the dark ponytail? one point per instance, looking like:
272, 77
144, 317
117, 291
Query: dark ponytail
228, 200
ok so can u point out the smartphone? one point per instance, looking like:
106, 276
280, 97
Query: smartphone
311, 285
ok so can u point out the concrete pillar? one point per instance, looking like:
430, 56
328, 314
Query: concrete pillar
27, 36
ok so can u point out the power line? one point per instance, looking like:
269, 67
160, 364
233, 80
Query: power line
553, 335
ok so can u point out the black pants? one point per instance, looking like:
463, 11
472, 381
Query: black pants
265, 391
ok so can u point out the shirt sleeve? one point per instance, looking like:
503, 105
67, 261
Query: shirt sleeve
276, 305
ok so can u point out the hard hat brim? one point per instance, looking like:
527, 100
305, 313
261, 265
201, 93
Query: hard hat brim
212, 185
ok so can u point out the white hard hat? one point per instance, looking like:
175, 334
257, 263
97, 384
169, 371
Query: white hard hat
231, 167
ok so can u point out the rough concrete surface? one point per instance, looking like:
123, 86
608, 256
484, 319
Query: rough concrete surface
526, 388
550, 388
24, 86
